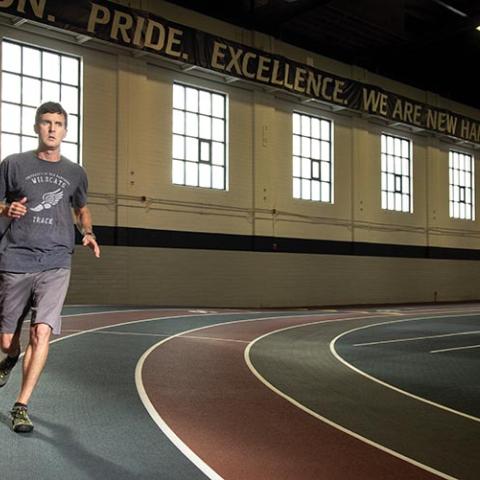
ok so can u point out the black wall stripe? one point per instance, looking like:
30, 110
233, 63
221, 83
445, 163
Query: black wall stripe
142, 237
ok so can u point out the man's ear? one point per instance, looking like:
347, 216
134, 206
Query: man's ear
35, 128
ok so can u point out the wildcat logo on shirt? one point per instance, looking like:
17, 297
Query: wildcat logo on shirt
54, 178
49, 200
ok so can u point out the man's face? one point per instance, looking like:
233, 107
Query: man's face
51, 130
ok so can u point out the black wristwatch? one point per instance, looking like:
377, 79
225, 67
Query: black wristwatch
90, 234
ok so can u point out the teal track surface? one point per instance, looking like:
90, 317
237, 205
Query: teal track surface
89, 420
400, 354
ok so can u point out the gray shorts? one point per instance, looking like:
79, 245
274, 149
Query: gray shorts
41, 292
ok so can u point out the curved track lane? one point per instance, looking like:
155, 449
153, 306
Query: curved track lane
203, 390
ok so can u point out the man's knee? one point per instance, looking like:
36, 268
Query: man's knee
5, 342
40, 334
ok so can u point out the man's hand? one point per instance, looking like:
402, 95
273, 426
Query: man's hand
16, 209
84, 225
90, 242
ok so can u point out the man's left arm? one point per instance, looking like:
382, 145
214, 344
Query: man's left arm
83, 219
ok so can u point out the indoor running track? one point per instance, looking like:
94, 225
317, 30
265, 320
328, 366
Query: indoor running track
194, 394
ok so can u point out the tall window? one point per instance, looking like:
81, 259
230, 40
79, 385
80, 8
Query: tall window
461, 183
312, 158
199, 153
31, 76
396, 174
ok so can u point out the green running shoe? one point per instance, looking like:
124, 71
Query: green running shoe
21, 422
5, 370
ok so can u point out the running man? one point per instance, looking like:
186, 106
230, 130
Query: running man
38, 190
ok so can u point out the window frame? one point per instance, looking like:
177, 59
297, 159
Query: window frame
314, 166
202, 141
72, 117
392, 176
463, 189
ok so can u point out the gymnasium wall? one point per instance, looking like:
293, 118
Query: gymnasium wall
127, 132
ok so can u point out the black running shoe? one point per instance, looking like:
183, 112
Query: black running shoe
21, 422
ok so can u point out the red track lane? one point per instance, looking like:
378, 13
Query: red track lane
207, 395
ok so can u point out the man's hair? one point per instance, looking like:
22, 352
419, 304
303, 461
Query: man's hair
50, 107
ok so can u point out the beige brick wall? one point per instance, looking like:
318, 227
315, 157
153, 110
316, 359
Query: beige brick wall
182, 277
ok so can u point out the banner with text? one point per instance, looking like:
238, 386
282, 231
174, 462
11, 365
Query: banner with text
142, 30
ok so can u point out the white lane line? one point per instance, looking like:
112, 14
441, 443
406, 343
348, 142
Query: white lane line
137, 334
99, 312
396, 389
326, 420
410, 339
453, 349
157, 418
193, 337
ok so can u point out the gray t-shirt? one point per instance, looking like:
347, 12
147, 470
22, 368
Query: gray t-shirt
44, 238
